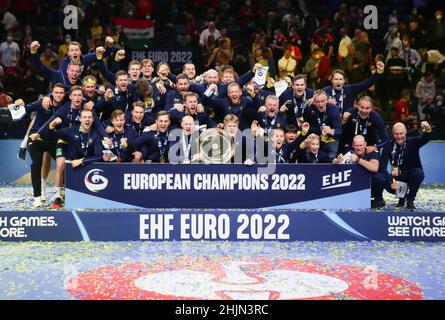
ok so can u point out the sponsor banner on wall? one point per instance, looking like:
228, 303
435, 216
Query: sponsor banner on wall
174, 56
291, 186
221, 225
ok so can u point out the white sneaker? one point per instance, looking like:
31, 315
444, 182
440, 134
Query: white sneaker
43, 195
37, 202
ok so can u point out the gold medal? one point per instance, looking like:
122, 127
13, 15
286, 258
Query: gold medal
395, 172
162, 159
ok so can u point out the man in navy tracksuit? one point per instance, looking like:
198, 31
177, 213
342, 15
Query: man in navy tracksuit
324, 120
343, 95
370, 161
68, 79
245, 108
154, 145
366, 122
175, 97
403, 155
120, 97
37, 145
121, 136
191, 108
83, 143
294, 100
269, 118
68, 115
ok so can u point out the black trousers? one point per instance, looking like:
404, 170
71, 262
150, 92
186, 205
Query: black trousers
36, 149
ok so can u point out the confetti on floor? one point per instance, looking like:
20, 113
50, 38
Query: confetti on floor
80, 270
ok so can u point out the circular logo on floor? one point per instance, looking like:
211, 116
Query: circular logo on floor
243, 279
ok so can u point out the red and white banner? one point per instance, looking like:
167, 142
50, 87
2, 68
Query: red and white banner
136, 29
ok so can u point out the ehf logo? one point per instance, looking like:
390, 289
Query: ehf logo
203, 278
337, 180
94, 181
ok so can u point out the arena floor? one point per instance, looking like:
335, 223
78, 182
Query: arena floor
222, 270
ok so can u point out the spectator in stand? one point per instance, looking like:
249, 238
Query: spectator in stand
324, 39
206, 33
393, 41
278, 44
395, 76
4, 98
436, 32
425, 93
96, 32
48, 56
247, 15
343, 45
417, 36
63, 48
8, 19
401, 113
361, 43
220, 56
9, 51
287, 64
412, 59
295, 42
354, 65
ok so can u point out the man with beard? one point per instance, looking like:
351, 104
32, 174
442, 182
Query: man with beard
37, 145
294, 100
120, 150
343, 95
192, 108
324, 120
366, 122
83, 145
154, 144
73, 70
244, 108
268, 118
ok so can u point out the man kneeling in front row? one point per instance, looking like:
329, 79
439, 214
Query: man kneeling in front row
380, 179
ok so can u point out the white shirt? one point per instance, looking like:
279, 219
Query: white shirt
9, 51
8, 20
205, 35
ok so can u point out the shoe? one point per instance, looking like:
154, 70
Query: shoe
44, 194
376, 204
410, 205
22, 154
37, 202
401, 203
57, 204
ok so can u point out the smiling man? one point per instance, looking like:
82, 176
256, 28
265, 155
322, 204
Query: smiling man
402, 153
364, 121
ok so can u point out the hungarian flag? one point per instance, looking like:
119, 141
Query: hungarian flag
136, 29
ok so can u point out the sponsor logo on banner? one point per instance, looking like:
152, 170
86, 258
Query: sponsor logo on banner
337, 180
247, 279
94, 181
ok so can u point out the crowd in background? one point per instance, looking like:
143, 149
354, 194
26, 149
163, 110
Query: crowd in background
290, 37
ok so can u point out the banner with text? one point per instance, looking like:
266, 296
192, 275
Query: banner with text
221, 225
292, 186
174, 56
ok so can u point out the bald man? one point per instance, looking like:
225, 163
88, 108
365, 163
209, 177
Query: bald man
380, 179
403, 155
